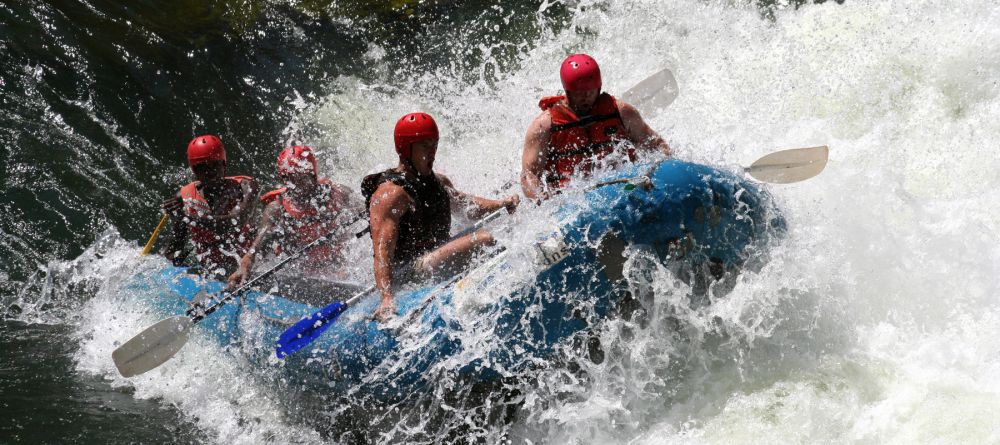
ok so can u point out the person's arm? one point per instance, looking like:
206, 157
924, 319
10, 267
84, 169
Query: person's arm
639, 132
536, 144
264, 234
174, 249
389, 203
476, 207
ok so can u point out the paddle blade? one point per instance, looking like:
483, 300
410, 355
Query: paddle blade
303, 333
656, 91
152, 347
789, 166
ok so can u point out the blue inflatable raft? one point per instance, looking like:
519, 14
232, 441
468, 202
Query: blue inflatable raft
530, 301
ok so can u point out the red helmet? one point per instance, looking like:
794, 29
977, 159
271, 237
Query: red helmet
413, 127
207, 148
580, 72
297, 159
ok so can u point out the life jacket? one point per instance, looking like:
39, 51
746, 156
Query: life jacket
425, 227
214, 247
300, 226
575, 143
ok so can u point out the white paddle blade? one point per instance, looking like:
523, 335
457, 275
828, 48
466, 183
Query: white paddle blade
787, 166
656, 91
152, 347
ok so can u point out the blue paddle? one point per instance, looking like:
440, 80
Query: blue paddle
303, 333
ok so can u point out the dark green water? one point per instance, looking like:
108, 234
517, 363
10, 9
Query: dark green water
43, 399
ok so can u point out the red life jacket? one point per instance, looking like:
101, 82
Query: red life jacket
575, 143
301, 225
213, 249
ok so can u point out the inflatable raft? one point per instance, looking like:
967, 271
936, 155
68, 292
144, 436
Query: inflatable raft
525, 302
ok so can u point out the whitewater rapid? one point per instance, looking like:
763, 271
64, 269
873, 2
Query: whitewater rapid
873, 322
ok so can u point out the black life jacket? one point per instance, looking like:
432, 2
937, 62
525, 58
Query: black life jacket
424, 228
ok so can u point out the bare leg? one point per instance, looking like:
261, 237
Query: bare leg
456, 254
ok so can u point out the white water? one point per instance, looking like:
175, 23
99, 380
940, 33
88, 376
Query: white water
874, 322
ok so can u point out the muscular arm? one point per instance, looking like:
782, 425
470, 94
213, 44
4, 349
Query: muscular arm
533, 158
476, 206
389, 203
639, 132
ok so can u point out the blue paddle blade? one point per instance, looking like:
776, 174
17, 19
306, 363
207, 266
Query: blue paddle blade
308, 329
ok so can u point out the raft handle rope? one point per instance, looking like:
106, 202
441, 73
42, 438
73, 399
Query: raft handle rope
643, 181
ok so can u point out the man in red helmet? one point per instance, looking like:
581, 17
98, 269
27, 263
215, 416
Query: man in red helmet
213, 211
307, 208
410, 209
577, 130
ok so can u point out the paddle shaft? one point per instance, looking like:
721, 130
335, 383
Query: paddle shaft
197, 313
156, 233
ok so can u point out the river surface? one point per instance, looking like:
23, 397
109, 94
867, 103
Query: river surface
874, 320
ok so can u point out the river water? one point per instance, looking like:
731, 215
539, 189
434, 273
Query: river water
873, 322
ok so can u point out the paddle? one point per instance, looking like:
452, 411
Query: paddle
159, 342
656, 91
787, 166
303, 333
156, 233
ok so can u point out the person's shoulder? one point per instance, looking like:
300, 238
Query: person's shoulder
625, 109
542, 122
446, 181
389, 195
627, 112
390, 187
624, 106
